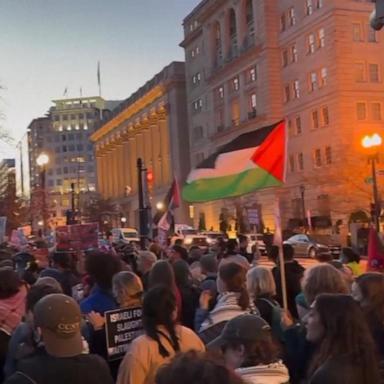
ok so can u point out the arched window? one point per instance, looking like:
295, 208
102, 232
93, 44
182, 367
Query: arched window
232, 23
249, 12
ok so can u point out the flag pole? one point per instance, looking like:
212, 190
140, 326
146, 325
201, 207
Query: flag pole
278, 240
99, 77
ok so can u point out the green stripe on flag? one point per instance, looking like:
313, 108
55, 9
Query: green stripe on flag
228, 186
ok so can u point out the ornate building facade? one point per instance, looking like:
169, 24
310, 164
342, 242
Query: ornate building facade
152, 125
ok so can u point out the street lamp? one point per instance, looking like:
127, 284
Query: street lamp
160, 206
123, 221
42, 160
372, 143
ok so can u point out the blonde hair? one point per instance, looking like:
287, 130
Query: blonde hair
260, 282
127, 288
322, 278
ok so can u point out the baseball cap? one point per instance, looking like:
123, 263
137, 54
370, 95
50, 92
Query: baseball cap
59, 318
245, 328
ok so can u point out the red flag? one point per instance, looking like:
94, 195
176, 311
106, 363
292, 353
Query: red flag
171, 202
375, 252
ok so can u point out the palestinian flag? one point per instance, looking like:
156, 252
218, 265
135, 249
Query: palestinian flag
171, 202
252, 161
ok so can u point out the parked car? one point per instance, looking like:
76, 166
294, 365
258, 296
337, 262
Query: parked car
256, 238
200, 240
125, 235
213, 236
313, 245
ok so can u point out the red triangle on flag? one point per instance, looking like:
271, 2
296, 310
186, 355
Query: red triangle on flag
270, 155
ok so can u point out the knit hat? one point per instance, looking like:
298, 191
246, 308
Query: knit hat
59, 318
245, 327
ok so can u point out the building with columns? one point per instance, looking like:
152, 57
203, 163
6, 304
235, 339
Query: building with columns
315, 63
151, 124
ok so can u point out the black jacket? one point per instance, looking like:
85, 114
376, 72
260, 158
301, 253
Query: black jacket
293, 274
45, 369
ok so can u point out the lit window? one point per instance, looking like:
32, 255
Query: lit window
321, 37
253, 74
325, 116
308, 7
196, 78
323, 76
221, 92
315, 119
328, 155
296, 88
311, 43
361, 111
300, 162
376, 111
253, 101
357, 32
294, 53
197, 50
298, 125
319, 4
359, 69
292, 16
235, 83
374, 73
317, 158
313, 81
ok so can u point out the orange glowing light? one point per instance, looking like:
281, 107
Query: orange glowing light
374, 140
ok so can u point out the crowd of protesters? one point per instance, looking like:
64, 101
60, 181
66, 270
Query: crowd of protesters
207, 317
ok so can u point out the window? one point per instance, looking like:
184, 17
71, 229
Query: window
59, 182
292, 16
197, 50
359, 69
235, 84
50, 183
65, 117
361, 111
73, 117
292, 163
290, 130
294, 53
71, 136
321, 38
372, 36
252, 102
328, 155
313, 81
196, 78
198, 133
58, 171
65, 170
319, 4
80, 147
296, 88
325, 116
376, 111
57, 149
252, 74
311, 43
308, 7
197, 105
298, 125
63, 137
300, 162
64, 148
374, 73
323, 77
315, 119
317, 158
287, 93
285, 58
220, 92
282, 23
89, 115
81, 116
357, 33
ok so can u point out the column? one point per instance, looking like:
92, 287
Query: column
154, 129
241, 25
108, 174
140, 146
99, 173
165, 151
133, 163
224, 33
147, 142
121, 169
115, 172
243, 99
127, 165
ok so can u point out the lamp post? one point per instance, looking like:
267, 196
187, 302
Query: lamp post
42, 161
302, 192
372, 143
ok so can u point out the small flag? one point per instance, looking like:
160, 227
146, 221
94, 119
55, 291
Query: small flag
65, 93
375, 252
171, 202
252, 161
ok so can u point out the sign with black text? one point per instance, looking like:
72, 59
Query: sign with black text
121, 327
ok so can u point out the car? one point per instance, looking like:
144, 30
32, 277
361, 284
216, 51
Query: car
256, 238
196, 240
212, 236
125, 235
313, 245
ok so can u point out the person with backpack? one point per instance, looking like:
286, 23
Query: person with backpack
262, 290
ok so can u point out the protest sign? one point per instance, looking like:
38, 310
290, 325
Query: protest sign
80, 237
121, 327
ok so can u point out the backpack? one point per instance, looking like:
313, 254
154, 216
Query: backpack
277, 311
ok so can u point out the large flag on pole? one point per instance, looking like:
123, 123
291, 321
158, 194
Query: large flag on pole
171, 202
252, 161
375, 252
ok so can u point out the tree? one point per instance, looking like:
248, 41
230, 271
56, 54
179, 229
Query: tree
99, 210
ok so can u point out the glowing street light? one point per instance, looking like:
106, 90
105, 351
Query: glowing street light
42, 160
372, 142
159, 205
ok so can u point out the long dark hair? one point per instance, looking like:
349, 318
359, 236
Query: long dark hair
162, 274
182, 273
158, 308
372, 288
233, 276
346, 334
